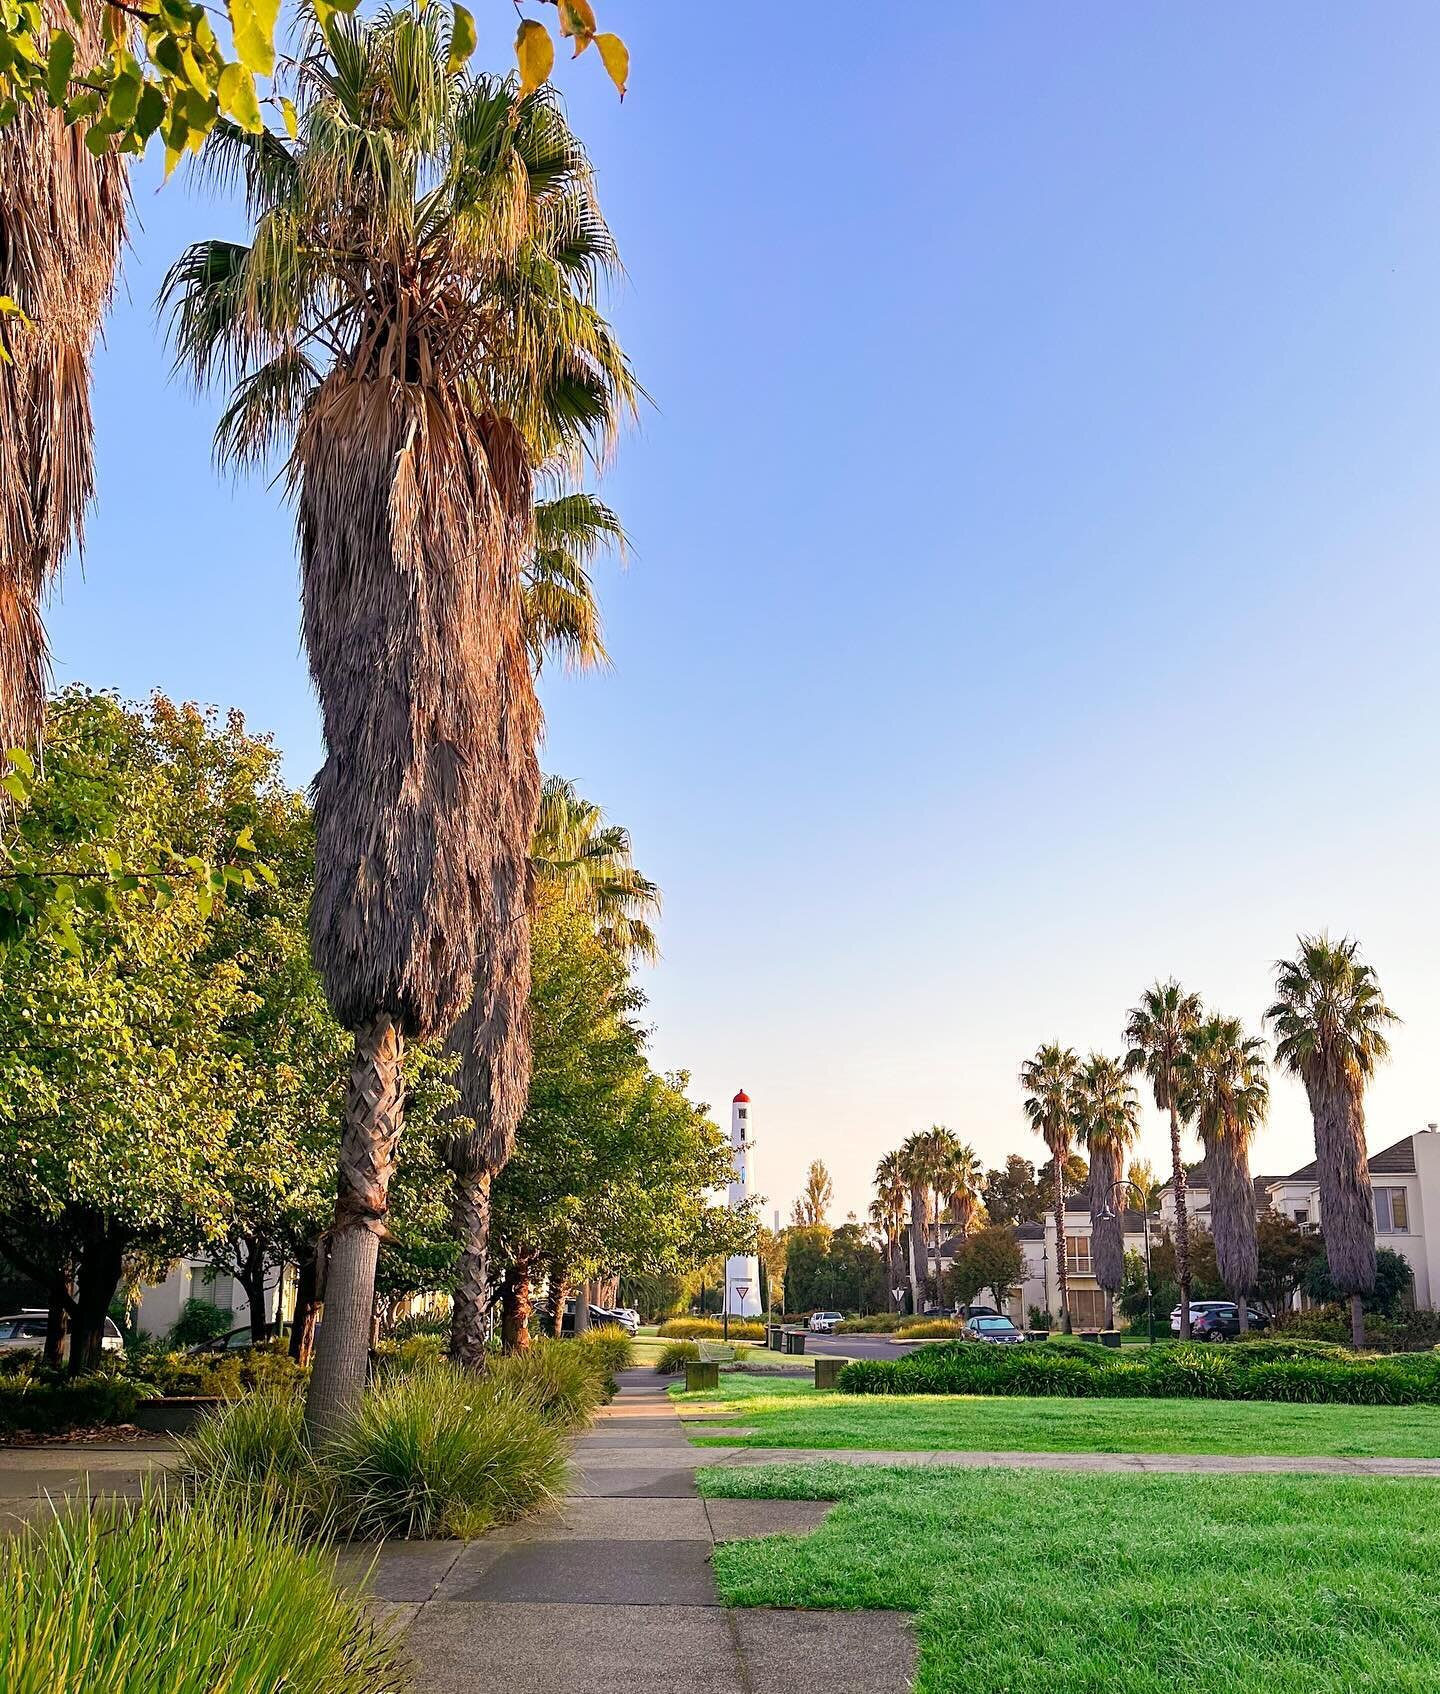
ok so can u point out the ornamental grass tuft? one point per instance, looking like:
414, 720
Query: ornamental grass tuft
188, 1597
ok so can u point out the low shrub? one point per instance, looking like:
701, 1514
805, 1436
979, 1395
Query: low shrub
1192, 1370
675, 1355
710, 1329
47, 1404
188, 1598
417, 1351
562, 1381
268, 1368
1267, 1349
254, 1451
442, 1453
931, 1329
881, 1323
200, 1321
611, 1346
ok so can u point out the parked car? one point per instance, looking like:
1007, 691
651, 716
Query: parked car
1221, 1323
1197, 1309
27, 1330
627, 1319
234, 1340
976, 1312
992, 1327
825, 1323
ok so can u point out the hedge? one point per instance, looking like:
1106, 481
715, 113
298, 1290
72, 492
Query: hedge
710, 1329
49, 1408
1179, 1372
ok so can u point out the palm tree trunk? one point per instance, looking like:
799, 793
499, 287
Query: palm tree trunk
1182, 1222
374, 1117
919, 1253
515, 1304
1109, 1309
470, 1212
582, 1306
1357, 1322
1242, 1312
1061, 1275
302, 1324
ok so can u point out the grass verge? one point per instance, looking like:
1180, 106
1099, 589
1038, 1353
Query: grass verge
1053, 1584
791, 1414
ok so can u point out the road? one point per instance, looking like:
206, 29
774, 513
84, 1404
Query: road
857, 1346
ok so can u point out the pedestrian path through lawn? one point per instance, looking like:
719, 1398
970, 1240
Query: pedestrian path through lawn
748, 1411
615, 1591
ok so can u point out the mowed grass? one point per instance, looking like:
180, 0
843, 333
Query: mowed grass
792, 1414
1042, 1583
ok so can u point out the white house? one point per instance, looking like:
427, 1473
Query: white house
1405, 1180
1041, 1287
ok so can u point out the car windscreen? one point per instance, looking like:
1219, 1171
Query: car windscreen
1001, 1324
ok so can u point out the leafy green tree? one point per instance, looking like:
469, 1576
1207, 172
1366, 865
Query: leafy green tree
991, 1259
1330, 1021
1013, 1194
1283, 1252
1394, 1282
118, 1085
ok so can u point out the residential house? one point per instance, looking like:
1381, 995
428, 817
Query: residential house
1041, 1287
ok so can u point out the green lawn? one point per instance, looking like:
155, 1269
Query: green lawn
792, 1414
1025, 1583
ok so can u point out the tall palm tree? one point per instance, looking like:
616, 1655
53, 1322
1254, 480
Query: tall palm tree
1330, 1021
962, 1181
1222, 1075
888, 1210
62, 225
415, 321
1048, 1082
1106, 1112
1155, 1035
940, 1149
915, 1165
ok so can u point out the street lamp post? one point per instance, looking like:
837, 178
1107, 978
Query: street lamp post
1125, 1185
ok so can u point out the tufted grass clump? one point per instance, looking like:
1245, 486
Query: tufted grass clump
188, 1596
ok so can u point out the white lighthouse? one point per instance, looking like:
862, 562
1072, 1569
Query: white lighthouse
742, 1273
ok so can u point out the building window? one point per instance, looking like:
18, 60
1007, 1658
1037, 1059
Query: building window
1077, 1255
1392, 1211
1302, 1214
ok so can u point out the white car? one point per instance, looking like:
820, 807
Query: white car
825, 1323
21, 1331
1196, 1307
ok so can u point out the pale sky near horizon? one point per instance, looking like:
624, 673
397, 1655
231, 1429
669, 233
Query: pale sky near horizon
1030, 592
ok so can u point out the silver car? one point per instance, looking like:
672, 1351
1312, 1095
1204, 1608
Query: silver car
25, 1332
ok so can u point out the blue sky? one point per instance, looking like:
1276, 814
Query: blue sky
1033, 588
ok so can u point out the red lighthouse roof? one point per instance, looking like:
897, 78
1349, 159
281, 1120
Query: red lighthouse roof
741, 1099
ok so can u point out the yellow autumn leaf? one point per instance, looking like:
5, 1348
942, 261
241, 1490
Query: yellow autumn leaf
535, 54
617, 60
462, 41
577, 19
291, 119
236, 92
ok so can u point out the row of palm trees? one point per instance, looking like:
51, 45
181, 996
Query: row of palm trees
414, 328
932, 1178
1329, 1019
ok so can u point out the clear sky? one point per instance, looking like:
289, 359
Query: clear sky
1034, 586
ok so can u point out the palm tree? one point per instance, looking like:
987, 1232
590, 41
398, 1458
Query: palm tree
962, 1180
915, 1166
561, 613
415, 321
62, 225
1222, 1076
1106, 1114
940, 1149
1155, 1035
1048, 1081
888, 1211
1330, 1020
588, 864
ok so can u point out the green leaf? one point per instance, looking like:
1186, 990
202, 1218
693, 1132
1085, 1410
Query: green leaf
58, 66
97, 140
150, 113
245, 840
17, 755
252, 26
15, 787
616, 56
462, 41
292, 121
124, 97
236, 90
68, 939
535, 54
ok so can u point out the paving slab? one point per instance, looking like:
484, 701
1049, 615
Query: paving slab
596, 1573
841, 1652
478, 1648
398, 1571
638, 1482
743, 1520
610, 1519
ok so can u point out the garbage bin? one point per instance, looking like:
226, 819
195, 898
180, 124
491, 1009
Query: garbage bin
1109, 1337
774, 1336
794, 1340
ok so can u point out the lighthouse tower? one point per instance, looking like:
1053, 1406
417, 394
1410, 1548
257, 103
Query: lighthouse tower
742, 1273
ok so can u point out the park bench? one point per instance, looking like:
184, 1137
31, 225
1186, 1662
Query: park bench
716, 1353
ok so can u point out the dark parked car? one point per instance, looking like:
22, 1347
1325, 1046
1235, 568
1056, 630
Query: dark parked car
624, 1316
1221, 1322
993, 1328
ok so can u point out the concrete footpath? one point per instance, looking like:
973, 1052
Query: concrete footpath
1189, 1464
614, 1590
